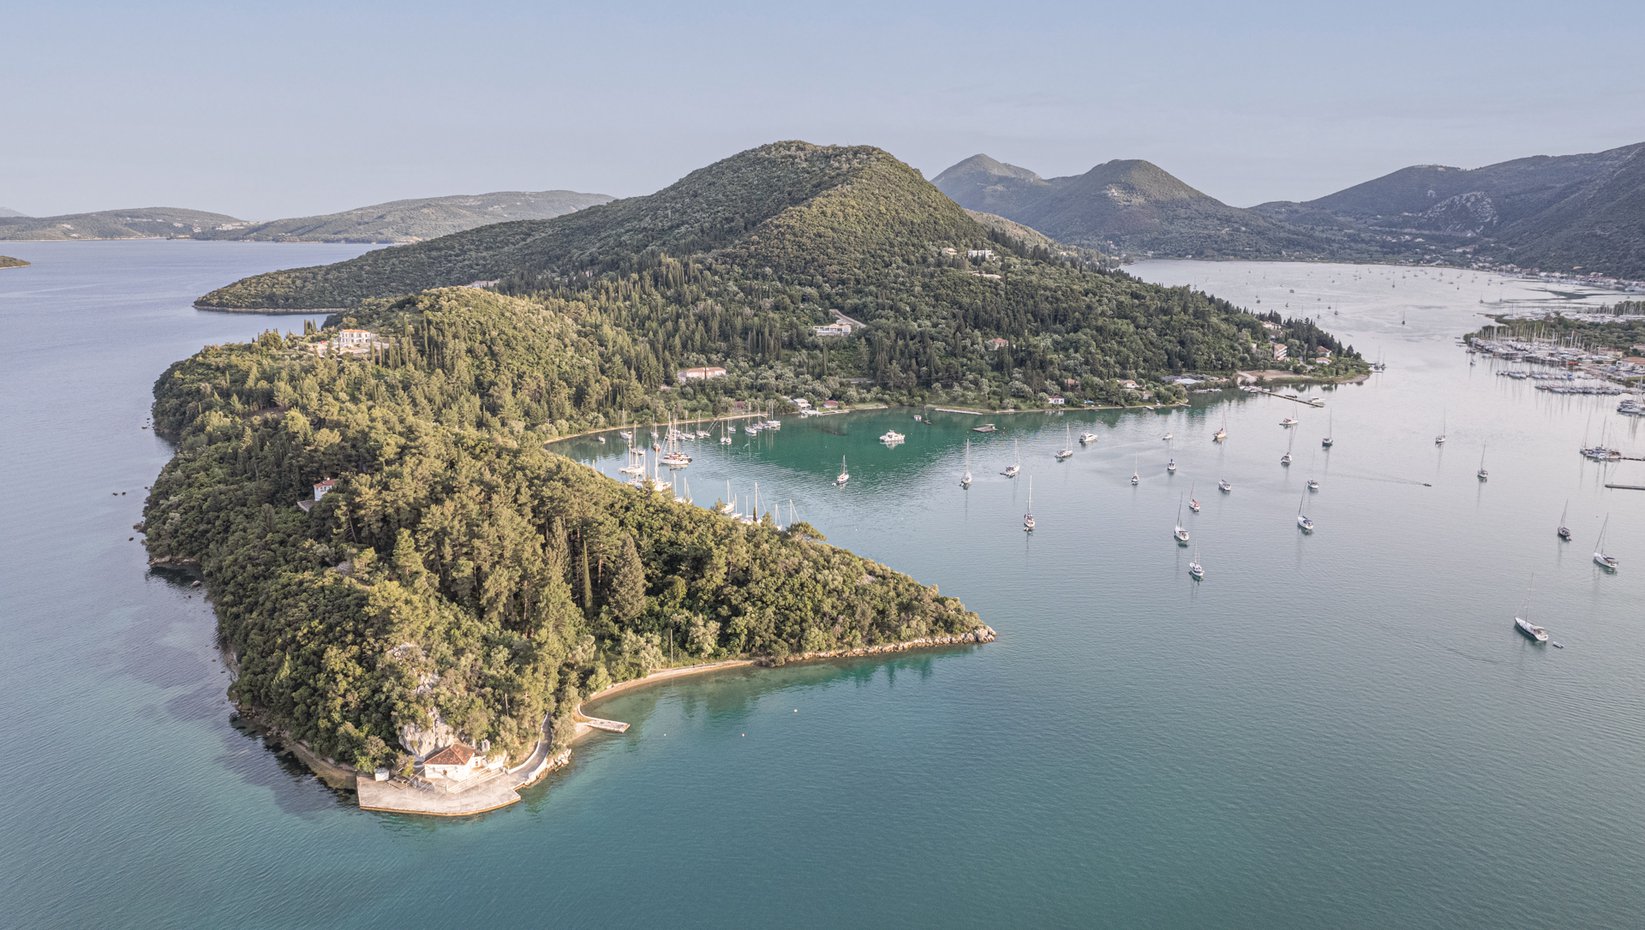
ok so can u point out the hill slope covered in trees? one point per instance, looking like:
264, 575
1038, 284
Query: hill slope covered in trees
459, 578
6, 261
737, 263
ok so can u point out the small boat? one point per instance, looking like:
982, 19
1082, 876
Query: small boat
1313, 485
1015, 468
1304, 522
725, 437
1180, 534
1327, 442
844, 475
1482, 474
965, 479
626, 435
1221, 434
1087, 438
1196, 571
1171, 466
1028, 516
1166, 438
1135, 477
1193, 502
1440, 439
892, 438
1285, 459
1225, 487
1564, 531
1601, 558
985, 428
1288, 422
1067, 451
1530, 630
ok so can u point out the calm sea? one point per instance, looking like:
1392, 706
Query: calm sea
1339, 730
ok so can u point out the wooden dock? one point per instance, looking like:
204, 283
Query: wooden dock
1299, 399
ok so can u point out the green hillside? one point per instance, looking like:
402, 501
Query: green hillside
459, 575
139, 223
415, 220
737, 262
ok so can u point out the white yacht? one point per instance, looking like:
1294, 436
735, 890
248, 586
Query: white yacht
1482, 474
1225, 487
1067, 451
1564, 531
1221, 434
892, 438
1530, 630
1171, 466
1087, 438
1015, 468
1196, 571
1028, 517
1288, 422
1603, 559
1135, 477
1193, 502
965, 479
1304, 522
1180, 533
1440, 439
844, 475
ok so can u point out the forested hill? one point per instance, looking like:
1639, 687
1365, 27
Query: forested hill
414, 220
737, 263
459, 581
6, 261
137, 223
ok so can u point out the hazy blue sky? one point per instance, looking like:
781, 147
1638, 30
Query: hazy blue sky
290, 108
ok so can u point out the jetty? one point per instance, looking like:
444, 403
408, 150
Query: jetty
1626, 487
600, 723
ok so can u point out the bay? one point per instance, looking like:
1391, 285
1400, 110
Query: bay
1333, 730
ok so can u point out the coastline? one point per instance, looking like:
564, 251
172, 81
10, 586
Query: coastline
498, 791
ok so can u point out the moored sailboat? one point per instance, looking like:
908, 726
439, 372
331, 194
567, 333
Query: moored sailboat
1564, 531
844, 475
1067, 451
1015, 468
1193, 502
1180, 534
965, 478
1304, 522
1602, 558
1028, 516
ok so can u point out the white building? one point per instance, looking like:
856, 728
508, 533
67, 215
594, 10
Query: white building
322, 487
836, 328
459, 760
705, 373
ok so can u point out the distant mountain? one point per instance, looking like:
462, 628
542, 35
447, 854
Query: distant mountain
7, 212
415, 220
138, 223
1128, 206
1554, 213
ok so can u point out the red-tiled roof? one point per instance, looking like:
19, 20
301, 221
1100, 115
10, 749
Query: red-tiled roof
455, 754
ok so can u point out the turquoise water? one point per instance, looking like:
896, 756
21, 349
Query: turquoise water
1336, 730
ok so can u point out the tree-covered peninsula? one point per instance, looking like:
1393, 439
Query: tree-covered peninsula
457, 573
6, 261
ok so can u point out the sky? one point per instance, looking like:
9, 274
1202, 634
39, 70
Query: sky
293, 108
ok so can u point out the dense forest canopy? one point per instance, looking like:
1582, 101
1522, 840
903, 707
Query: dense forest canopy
459, 574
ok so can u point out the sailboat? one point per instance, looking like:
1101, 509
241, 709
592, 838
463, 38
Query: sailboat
1286, 458
1015, 468
1440, 439
1067, 451
1288, 422
1523, 624
725, 437
728, 506
1193, 502
844, 475
1304, 522
1605, 561
1196, 571
1327, 442
1482, 474
1180, 533
1564, 531
1221, 434
1028, 517
1225, 487
684, 493
1171, 466
1135, 477
965, 479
